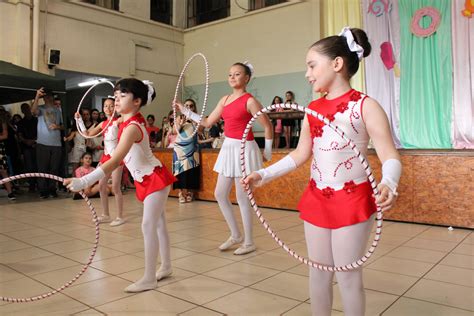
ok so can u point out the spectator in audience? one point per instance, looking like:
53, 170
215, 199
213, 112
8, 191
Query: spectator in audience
63, 162
95, 146
186, 163
86, 117
85, 169
57, 103
27, 131
48, 148
169, 133
288, 124
15, 121
277, 123
3, 155
95, 117
217, 132
152, 130
78, 149
12, 147
102, 117
204, 140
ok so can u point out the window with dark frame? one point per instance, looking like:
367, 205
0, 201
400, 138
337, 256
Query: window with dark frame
161, 11
107, 4
204, 11
260, 4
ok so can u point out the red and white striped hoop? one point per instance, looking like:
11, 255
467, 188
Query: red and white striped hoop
206, 90
379, 214
79, 108
91, 257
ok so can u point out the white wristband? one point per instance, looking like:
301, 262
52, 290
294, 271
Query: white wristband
391, 172
78, 184
276, 170
81, 125
267, 152
191, 115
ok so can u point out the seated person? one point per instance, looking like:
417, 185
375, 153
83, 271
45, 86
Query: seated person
85, 169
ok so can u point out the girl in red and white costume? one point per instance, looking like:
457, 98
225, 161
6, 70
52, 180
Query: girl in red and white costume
236, 109
110, 142
337, 206
152, 179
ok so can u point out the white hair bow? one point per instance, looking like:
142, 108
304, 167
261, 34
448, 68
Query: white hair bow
353, 46
252, 70
151, 90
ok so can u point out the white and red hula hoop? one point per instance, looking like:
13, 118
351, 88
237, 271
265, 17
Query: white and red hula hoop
379, 217
91, 257
206, 90
79, 108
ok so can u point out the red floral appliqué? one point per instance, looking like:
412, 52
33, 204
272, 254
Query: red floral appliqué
312, 184
317, 131
330, 117
328, 192
349, 187
342, 107
355, 96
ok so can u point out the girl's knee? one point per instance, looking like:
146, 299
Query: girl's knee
116, 190
220, 194
320, 276
149, 227
350, 280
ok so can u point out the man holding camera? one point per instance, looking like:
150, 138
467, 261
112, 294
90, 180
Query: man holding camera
48, 148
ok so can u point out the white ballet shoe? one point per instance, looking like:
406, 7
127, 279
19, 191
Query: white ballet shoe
117, 222
138, 287
104, 219
163, 273
245, 249
230, 242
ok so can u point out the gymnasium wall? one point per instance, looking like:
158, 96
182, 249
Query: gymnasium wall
275, 40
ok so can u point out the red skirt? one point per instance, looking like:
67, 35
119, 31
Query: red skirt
104, 158
158, 180
333, 209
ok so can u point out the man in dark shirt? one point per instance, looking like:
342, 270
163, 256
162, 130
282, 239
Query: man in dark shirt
27, 131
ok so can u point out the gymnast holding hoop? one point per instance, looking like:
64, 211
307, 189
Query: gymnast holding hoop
110, 131
236, 109
152, 179
337, 207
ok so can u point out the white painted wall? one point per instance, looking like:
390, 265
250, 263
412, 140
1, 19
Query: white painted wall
122, 44
98, 41
15, 32
274, 39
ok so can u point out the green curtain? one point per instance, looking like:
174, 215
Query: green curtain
426, 78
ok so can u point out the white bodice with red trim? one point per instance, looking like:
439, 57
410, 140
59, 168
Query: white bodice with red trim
335, 164
140, 160
111, 138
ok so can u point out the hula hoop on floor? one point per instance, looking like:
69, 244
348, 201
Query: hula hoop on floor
206, 90
379, 217
79, 108
91, 257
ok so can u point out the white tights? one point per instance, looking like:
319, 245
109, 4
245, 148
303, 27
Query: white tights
155, 234
223, 187
103, 186
337, 247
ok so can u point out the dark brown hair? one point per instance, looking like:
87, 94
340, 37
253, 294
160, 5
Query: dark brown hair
247, 70
135, 87
336, 46
193, 102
